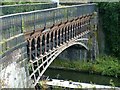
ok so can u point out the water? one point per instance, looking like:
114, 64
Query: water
81, 77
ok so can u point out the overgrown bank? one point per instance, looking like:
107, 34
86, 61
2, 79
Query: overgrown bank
109, 15
104, 65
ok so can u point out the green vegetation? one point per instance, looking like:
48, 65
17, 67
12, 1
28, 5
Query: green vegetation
20, 2
109, 14
104, 65
19, 7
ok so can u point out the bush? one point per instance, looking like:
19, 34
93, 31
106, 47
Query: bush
109, 14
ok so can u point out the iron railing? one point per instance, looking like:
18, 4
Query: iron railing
15, 24
22, 22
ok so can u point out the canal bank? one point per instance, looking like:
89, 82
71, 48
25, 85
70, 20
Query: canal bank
104, 71
82, 77
68, 85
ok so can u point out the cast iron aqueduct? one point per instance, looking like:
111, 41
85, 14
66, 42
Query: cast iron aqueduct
49, 32
45, 44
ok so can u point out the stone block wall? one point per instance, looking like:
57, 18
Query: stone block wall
74, 53
14, 64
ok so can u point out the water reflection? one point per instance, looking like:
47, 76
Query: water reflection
81, 77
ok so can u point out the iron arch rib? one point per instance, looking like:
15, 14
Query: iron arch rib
59, 50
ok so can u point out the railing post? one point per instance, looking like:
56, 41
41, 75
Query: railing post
54, 39
36, 47
81, 24
45, 43
60, 37
72, 31
78, 27
49, 41
67, 34
40, 44
64, 35
75, 29
57, 39
30, 51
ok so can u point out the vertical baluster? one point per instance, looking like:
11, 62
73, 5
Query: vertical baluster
45, 43
81, 24
36, 47
79, 27
72, 31
60, 36
75, 29
66, 33
57, 38
30, 51
63, 35
69, 32
54, 39
40, 44
49, 41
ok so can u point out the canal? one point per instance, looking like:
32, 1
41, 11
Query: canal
81, 77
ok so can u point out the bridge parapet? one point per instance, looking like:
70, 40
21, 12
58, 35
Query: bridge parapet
15, 24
